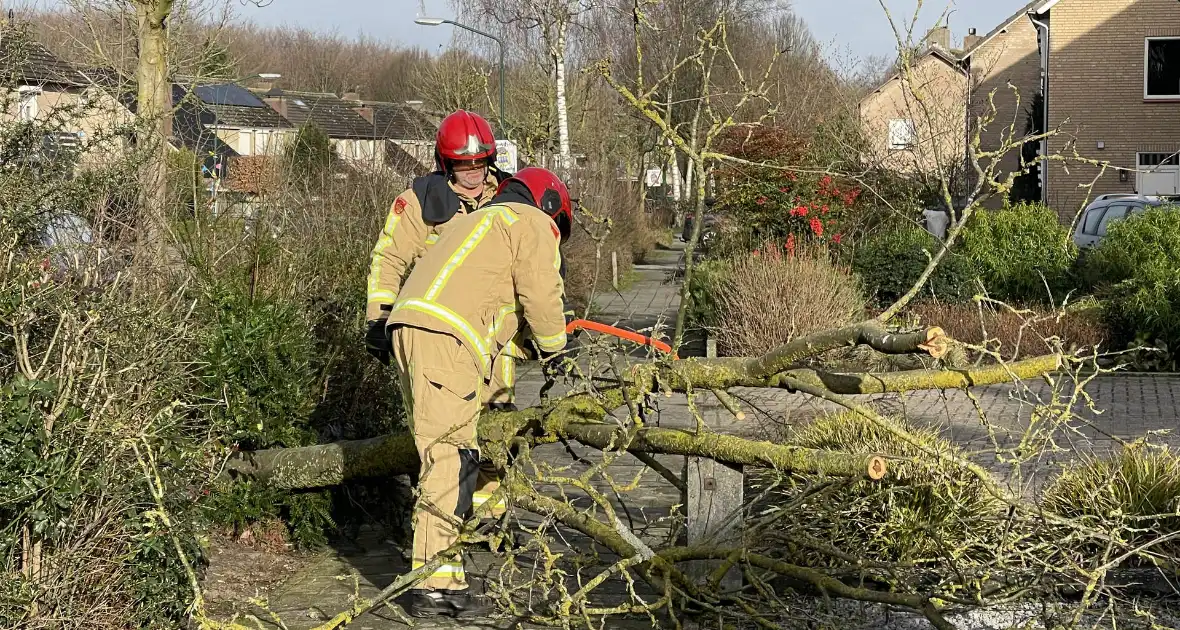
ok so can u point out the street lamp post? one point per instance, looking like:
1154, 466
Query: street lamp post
439, 21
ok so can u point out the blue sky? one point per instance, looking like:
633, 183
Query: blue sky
850, 30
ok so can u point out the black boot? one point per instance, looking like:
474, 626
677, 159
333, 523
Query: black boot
456, 604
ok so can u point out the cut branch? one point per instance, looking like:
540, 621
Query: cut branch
331, 464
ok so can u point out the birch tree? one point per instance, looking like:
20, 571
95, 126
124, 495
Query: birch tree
551, 21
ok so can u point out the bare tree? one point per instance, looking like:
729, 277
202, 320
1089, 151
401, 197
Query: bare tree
552, 21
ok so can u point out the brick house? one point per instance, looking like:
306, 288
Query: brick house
407, 132
902, 134
353, 138
1112, 85
42, 88
925, 127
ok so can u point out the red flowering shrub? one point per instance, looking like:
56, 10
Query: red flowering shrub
776, 202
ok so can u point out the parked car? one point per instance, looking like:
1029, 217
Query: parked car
1107, 209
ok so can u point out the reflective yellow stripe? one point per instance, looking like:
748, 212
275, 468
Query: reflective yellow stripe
445, 314
385, 297
498, 320
556, 341
506, 214
482, 497
473, 239
375, 292
432, 239
557, 259
446, 570
508, 371
514, 350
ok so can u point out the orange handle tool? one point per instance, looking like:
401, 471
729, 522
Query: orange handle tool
628, 335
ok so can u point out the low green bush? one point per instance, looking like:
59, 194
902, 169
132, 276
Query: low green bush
931, 504
1022, 253
1132, 494
707, 279
1137, 271
890, 262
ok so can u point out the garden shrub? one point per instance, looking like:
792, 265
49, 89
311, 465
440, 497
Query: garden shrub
1133, 494
708, 277
100, 433
772, 296
257, 365
932, 505
87, 444
775, 203
890, 262
1022, 253
1028, 333
1139, 263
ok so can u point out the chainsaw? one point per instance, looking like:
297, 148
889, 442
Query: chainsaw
614, 331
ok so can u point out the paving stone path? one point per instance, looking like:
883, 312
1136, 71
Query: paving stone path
1131, 406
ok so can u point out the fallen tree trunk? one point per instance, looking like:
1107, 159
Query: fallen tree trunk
582, 417
331, 464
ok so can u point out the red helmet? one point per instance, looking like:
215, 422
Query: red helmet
549, 193
464, 135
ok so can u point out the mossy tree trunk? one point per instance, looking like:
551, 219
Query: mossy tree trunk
154, 111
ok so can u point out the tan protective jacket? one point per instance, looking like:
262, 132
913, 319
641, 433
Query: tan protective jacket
491, 272
404, 238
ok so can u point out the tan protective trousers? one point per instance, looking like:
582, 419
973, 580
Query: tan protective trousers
442, 388
501, 388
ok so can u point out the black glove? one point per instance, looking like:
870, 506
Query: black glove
556, 364
377, 340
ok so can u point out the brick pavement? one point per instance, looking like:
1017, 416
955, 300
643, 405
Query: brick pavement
1131, 407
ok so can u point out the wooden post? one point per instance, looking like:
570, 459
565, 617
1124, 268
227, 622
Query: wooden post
614, 270
713, 511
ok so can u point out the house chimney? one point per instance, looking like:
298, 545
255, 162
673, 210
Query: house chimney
351, 96
939, 36
277, 103
366, 112
971, 40
414, 105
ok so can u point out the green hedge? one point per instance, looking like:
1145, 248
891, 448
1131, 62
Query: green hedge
1139, 265
1022, 253
889, 263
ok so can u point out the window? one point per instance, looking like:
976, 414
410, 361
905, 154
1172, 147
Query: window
1093, 218
27, 103
1159, 159
1161, 68
1115, 213
901, 134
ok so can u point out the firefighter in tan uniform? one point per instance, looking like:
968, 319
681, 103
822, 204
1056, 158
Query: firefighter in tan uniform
493, 273
465, 180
